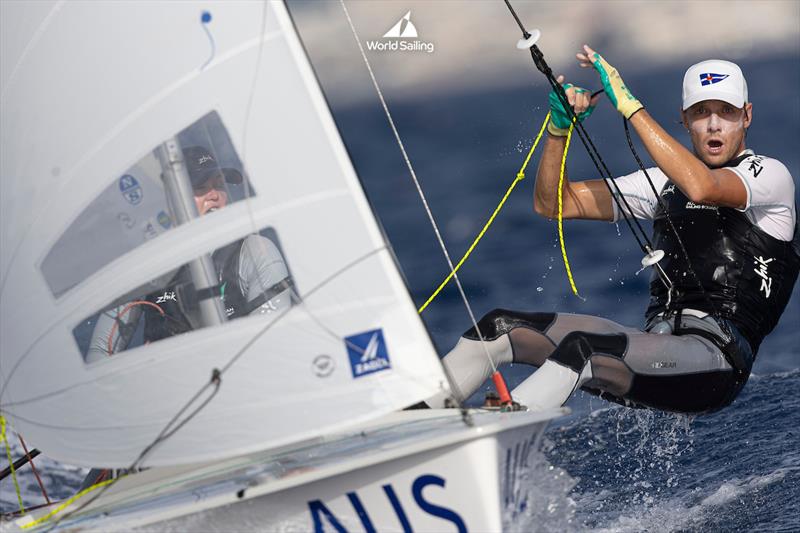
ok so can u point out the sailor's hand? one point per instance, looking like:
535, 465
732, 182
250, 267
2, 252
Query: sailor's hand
579, 99
614, 87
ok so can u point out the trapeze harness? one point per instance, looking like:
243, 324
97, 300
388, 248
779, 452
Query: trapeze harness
748, 274
181, 298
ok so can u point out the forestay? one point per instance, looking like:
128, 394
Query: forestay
90, 91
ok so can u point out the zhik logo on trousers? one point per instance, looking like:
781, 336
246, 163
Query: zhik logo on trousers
367, 352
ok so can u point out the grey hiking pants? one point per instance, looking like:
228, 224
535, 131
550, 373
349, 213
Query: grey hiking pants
685, 373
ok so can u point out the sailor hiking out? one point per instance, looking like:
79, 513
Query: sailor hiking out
725, 220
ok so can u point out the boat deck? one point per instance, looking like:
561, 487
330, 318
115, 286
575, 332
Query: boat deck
168, 491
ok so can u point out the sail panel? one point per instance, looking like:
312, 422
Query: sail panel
349, 348
298, 380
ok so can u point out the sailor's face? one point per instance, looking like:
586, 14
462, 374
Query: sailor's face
717, 130
211, 195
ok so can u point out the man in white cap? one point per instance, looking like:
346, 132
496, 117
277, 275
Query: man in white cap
729, 276
252, 275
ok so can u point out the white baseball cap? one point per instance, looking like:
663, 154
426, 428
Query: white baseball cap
714, 79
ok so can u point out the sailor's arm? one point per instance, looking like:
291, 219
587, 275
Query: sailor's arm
263, 276
113, 331
585, 199
702, 185
588, 199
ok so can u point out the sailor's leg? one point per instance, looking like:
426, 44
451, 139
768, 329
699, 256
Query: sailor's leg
573, 339
113, 332
570, 366
467, 364
675, 373
686, 373
511, 336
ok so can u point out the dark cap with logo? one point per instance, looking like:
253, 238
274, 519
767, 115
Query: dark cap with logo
202, 165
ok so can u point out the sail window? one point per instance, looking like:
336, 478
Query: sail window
251, 278
136, 207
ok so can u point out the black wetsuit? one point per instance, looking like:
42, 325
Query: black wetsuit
181, 298
251, 275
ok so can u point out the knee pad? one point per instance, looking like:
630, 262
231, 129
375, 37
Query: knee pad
500, 321
577, 347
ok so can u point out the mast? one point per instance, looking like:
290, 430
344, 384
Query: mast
180, 198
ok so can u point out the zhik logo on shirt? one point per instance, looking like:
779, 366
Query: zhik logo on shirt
367, 352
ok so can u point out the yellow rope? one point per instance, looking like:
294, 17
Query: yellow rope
10, 461
66, 504
520, 177
560, 212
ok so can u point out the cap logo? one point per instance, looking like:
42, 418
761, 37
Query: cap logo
709, 77
204, 159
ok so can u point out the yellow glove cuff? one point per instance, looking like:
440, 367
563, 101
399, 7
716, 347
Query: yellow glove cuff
556, 131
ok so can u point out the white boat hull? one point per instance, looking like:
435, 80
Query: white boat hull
412, 471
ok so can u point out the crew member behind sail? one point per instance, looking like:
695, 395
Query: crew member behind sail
735, 214
252, 275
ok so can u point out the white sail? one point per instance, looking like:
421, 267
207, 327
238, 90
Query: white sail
89, 90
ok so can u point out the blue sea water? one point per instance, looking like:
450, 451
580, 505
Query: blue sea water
640, 470
610, 468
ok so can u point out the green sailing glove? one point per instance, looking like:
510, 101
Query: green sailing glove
559, 117
615, 88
